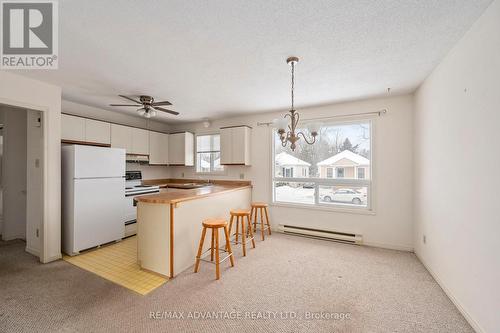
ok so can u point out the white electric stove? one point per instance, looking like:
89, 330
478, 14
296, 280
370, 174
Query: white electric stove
133, 188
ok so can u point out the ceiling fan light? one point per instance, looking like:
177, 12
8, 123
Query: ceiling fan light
141, 111
152, 113
147, 115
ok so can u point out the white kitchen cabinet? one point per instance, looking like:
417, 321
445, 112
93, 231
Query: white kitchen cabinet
158, 148
121, 137
140, 141
235, 145
181, 149
72, 128
97, 131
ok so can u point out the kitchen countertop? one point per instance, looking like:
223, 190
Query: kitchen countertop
172, 196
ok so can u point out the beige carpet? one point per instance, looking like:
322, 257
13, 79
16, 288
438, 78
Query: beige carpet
380, 290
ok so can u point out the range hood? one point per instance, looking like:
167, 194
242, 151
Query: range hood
137, 158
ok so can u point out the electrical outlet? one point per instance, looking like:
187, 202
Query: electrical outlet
424, 239
242, 176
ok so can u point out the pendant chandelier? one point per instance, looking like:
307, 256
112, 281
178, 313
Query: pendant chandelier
282, 124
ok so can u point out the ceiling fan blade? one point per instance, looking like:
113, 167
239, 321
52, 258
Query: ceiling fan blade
125, 105
162, 103
130, 99
166, 110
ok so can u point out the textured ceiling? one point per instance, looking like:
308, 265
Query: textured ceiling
217, 58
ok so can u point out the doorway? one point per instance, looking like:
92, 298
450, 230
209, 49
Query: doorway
21, 176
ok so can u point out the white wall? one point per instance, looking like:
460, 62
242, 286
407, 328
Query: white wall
391, 225
14, 173
457, 159
32, 94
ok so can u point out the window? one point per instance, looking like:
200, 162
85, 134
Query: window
361, 173
340, 172
336, 170
329, 172
288, 172
208, 154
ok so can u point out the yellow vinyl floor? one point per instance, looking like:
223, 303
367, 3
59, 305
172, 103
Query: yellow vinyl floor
118, 263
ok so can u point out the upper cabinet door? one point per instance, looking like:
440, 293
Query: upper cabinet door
176, 149
97, 131
226, 145
140, 141
235, 145
158, 148
181, 149
72, 128
121, 137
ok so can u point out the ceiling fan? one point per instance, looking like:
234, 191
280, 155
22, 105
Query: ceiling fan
147, 105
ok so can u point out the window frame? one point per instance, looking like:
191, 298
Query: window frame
317, 205
221, 172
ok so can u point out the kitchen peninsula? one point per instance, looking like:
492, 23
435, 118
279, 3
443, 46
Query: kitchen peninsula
169, 223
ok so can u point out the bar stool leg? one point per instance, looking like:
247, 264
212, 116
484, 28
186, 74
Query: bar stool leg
261, 224
243, 236
200, 248
250, 231
212, 248
237, 228
254, 218
267, 220
228, 246
217, 268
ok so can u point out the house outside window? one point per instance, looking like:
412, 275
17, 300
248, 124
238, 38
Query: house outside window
334, 172
208, 154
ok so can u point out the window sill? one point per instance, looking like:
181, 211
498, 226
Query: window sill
359, 211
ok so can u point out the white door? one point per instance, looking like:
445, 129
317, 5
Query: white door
121, 137
140, 141
226, 146
98, 211
99, 162
97, 131
72, 128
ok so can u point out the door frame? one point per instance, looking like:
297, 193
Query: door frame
43, 234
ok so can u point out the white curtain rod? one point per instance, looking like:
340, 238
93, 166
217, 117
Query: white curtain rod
372, 113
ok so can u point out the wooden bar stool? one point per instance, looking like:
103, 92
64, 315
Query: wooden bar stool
214, 225
262, 207
246, 230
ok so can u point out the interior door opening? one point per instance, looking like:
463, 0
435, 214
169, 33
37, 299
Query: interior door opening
21, 176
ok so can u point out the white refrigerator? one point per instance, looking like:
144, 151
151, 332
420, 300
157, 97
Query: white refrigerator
93, 196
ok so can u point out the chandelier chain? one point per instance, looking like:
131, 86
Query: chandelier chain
293, 82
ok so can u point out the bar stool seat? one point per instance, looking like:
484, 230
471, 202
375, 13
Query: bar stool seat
214, 224
262, 207
246, 228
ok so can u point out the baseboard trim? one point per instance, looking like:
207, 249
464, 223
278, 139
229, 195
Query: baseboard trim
455, 301
378, 245
34, 252
49, 259
389, 246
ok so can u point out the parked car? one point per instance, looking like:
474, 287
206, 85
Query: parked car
345, 195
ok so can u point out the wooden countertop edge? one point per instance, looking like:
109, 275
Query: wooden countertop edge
194, 197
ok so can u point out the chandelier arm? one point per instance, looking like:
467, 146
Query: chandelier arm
305, 138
